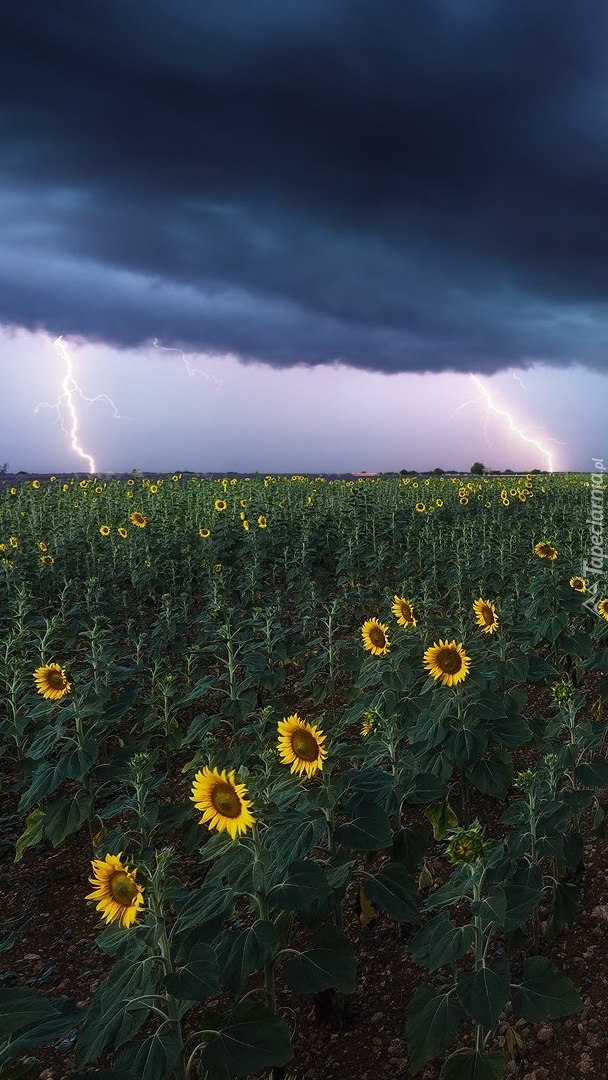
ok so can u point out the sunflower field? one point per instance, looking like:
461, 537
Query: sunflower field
247, 724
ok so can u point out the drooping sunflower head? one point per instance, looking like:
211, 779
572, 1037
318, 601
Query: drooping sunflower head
122, 532
486, 615
51, 682
602, 608
47, 560
375, 637
223, 801
119, 896
367, 723
138, 519
301, 745
466, 846
403, 611
578, 583
447, 662
42, 546
545, 550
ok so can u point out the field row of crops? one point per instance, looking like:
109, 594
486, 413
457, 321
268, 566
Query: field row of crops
311, 684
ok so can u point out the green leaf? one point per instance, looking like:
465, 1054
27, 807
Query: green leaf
303, 883
199, 978
294, 839
241, 953
393, 890
492, 910
65, 816
21, 1007
467, 746
439, 942
517, 668
595, 774
45, 780
108, 1023
441, 817
331, 962
252, 1038
492, 775
545, 993
410, 845
368, 831
153, 1058
485, 993
473, 1065
205, 905
432, 1023
523, 895
32, 834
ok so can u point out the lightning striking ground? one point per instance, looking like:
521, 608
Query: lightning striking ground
66, 408
493, 408
191, 371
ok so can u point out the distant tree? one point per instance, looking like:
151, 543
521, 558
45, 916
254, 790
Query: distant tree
508, 470
438, 472
534, 470
477, 468
4, 469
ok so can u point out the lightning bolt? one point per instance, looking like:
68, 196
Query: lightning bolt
65, 406
492, 407
191, 371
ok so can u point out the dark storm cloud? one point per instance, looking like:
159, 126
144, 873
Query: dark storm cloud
397, 185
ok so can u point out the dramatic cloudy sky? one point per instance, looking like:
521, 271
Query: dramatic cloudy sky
338, 209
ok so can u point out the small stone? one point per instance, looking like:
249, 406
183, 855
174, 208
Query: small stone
544, 1034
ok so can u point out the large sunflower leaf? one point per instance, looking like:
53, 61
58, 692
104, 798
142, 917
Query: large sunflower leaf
393, 890
330, 963
473, 1065
485, 993
109, 1023
300, 885
545, 993
250, 1039
199, 978
433, 1020
240, 954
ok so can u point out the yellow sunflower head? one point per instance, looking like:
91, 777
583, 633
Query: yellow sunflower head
367, 723
420, 507
13, 541
51, 682
47, 560
42, 546
301, 745
486, 615
246, 525
104, 530
204, 533
463, 500
153, 489
403, 611
223, 802
578, 583
375, 637
122, 532
262, 523
138, 519
447, 662
36, 484
544, 550
119, 896
602, 608
220, 504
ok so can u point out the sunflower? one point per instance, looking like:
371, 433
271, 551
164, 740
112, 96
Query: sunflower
447, 662
223, 802
220, 504
13, 541
122, 532
420, 507
130, 483
154, 489
544, 550
487, 618
104, 530
120, 897
98, 489
138, 519
463, 500
35, 484
246, 525
367, 723
47, 560
578, 583
51, 681
403, 611
301, 745
175, 478
204, 533
129, 494
13, 491
438, 502
218, 568
375, 637
42, 546
602, 608
262, 523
